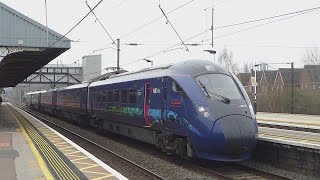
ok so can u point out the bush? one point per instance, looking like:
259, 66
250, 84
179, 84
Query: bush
304, 102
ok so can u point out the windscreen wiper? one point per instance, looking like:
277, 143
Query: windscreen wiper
224, 99
204, 88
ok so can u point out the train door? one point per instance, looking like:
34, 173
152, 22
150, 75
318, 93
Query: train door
54, 101
153, 102
91, 98
146, 103
164, 102
83, 101
174, 107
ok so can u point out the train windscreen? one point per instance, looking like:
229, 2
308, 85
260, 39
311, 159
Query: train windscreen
219, 85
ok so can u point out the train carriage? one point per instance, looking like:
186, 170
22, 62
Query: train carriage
33, 99
48, 101
68, 102
193, 108
196, 103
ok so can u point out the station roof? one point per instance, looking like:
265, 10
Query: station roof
25, 46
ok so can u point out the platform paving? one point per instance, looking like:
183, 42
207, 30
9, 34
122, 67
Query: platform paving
16, 158
29, 149
292, 120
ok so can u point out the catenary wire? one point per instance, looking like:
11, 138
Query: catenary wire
163, 51
164, 14
265, 23
105, 30
77, 23
264, 19
267, 18
269, 46
151, 22
236, 24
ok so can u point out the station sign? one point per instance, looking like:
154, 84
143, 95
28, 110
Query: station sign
254, 82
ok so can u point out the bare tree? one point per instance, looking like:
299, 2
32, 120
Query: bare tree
312, 56
246, 68
226, 60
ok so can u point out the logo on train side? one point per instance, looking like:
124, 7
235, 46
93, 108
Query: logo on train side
176, 103
139, 93
155, 90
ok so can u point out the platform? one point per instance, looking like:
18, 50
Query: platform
292, 121
290, 137
289, 149
29, 149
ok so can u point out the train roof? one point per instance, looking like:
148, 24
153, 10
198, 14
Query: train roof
35, 92
190, 68
76, 86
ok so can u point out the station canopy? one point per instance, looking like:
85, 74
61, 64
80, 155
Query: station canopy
25, 46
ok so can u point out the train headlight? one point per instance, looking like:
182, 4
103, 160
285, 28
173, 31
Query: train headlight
206, 114
204, 111
201, 109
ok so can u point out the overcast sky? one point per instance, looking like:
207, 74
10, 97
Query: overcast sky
282, 41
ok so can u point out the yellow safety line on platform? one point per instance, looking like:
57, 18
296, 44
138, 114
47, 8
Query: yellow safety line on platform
84, 163
62, 169
68, 147
67, 150
96, 173
61, 143
103, 177
75, 152
72, 155
75, 160
34, 150
92, 166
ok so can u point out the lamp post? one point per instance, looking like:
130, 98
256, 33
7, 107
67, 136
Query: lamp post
212, 52
292, 71
255, 88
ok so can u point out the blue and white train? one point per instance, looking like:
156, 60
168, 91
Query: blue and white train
194, 109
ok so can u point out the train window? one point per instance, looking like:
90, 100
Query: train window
176, 87
133, 96
214, 85
124, 96
104, 96
98, 97
116, 96
110, 96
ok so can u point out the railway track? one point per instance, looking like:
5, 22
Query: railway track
143, 171
234, 171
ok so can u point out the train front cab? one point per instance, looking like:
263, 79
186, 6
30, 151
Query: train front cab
227, 129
